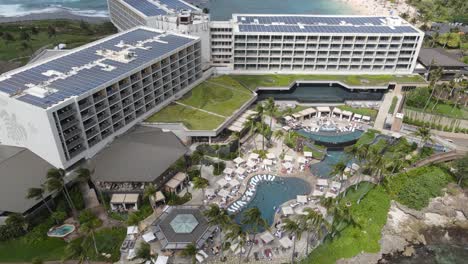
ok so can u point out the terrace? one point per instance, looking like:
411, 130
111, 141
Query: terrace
206, 106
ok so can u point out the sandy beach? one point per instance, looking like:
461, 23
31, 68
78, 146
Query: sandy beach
381, 7
54, 15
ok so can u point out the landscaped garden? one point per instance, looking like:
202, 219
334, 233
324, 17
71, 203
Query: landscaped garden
206, 106
361, 110
254, 81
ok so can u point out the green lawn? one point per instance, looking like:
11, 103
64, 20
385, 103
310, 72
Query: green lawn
227, 80
393, 105
68, 32
20, 250
254, 81
367, 137
193, 119
215, 98
370, 214
445, 110
362, 110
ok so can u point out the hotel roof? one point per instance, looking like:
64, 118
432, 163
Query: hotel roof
81, 70
151, 8
321, 24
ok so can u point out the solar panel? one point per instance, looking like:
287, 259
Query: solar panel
177, 5
326, 29
309, 20
89, 78
145, 7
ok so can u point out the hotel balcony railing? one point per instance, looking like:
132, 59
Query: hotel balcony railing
91, 133
66, 114
69, 124
89, 124
71, 134
100, 107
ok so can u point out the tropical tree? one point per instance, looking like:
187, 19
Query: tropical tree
88, 229
312, 222
55, 182
434, 77
77, 251
51, 31
149, 191
359, 152
218, 217
237, 235
424, 133
270, 109
461, 169
144, 252
237, 136
37, 261
17, 221
8, 37
190, 251
38, 194
260, 116
200, 183
84, 176
251, 124
25, 35
253, 218
294, 228
279, 135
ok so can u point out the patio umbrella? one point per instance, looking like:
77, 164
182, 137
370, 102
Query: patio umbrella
239, 160
285, 242
317, 193
223, 193
288, 158
234, 182
271, 156
288, 165
307, 154
322, 182
301, 199
148, 237
131, 230
228, 171
253, 156
267, 237
301, 160
287, 210
251, 164
222, 182
209, 192
267, 162
240, 171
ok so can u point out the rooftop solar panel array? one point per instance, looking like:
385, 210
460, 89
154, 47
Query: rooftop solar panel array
87, 79
177, 5
145, 7
309, 20
326, 29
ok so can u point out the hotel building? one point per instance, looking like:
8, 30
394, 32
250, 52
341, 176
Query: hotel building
71, 106
254, 43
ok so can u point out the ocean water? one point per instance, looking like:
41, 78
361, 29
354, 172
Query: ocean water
219, 9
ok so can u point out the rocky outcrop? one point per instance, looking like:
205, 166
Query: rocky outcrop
405, 226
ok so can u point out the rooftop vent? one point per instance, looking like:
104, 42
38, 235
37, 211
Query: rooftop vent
39, 90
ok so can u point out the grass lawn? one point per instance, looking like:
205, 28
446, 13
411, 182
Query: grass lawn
445, 110
20, 250
67, 32
191, 118
108, 240
216, 98
393, 105
227, 80
254, 81
370, 214
362, 110
367, 137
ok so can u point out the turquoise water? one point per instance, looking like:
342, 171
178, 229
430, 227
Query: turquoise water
323, 168
333, 138
61, 230
219, 9
271, 194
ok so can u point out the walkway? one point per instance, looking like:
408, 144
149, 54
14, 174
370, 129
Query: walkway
383, 111
440, 157
229, 87
208, 112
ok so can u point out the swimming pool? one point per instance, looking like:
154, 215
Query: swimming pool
61, 231
323, 168
332, 138
270, 195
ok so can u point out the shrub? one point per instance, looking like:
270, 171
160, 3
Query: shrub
192, 174
415, 187
59, 216
174, 199
218, 168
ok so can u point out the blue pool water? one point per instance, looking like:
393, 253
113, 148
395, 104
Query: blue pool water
271, 195
323, 168
61, 230
332, 137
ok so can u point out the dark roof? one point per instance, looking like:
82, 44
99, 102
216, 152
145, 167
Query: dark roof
441, 58
20, 169
172, 240
443, 28
140, 155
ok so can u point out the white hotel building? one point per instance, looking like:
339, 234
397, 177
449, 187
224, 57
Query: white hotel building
253, 43
68, 108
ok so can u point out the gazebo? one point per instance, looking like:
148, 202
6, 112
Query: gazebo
337, 112
323, 110
124, 201
176, 184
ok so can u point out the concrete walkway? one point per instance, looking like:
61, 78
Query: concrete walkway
383, 111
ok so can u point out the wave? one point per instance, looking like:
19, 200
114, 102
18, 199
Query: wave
18, 10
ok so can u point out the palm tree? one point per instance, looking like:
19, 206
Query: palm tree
461, 169
200, 183
190, 251
312, 222
18, 221
270, 108
252, 126
434, 77
77, 251
149, 191
144, 252
218, 217
279, 135
38, 194
253, 217
295, 229
261, 115
88, 229
84, 175
237, 136
359, 152
56, 182
424, 133
236, 234
338, 169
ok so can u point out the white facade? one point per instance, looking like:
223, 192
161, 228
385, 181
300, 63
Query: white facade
262, 43
77, 127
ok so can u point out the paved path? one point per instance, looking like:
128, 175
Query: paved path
229, 87
208, 112
383, 111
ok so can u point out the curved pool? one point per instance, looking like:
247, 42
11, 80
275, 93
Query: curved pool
332, 138
270, 195
61, 231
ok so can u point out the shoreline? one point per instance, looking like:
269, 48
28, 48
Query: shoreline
381, 7
53, 16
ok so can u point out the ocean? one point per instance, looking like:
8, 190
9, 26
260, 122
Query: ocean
219, 9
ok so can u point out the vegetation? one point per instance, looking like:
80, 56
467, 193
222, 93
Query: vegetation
254, 81
415, 187
461, 170
391, 110
191, 252
191, 118
436, 10
367, 137
361, 110
20, 40
370, 216
143, 212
